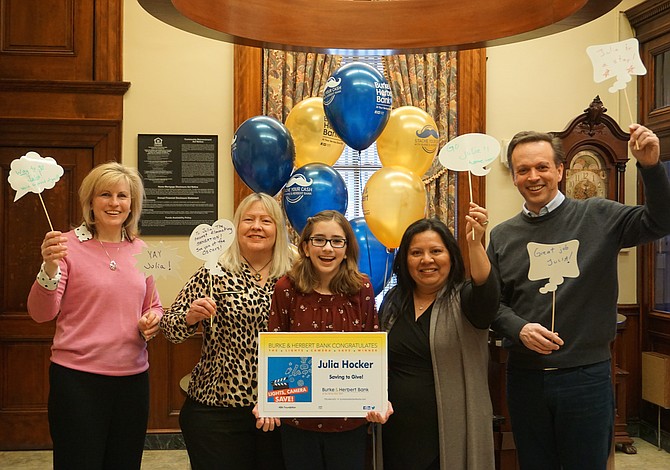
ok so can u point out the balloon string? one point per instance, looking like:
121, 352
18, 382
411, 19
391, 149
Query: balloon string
45, 211
367, 247
630, 114
470, 188
386, 267
359, 165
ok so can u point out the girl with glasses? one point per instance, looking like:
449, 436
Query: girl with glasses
324, 291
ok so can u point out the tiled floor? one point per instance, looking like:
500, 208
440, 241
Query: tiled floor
647, 458
41, 460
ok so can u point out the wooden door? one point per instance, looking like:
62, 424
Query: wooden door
168, 364
58, 33
25, 344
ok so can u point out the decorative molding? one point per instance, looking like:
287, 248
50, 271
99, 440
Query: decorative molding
646, 11
61, 86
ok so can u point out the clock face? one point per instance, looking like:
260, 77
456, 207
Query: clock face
586, 176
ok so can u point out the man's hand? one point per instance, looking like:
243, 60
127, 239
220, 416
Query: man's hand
539, 339
644, 145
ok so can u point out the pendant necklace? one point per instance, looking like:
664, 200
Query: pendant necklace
112, 263
257, 276
421, 307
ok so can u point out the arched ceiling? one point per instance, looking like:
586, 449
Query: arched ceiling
375, 27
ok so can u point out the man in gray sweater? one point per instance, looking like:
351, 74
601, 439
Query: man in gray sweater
557, 262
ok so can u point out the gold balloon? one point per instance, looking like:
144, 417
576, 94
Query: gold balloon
393, 198
315, 141
409, 140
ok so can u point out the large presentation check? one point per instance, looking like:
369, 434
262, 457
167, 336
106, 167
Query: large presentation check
322, 374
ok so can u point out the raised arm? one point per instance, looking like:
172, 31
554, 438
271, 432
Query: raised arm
476, 221
644, 145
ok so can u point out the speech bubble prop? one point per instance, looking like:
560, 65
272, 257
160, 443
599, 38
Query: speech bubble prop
208, 242
554, 262
617, 60
470, 152
33, 173
159, 261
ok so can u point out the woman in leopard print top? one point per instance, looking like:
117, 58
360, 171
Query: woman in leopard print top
231, 308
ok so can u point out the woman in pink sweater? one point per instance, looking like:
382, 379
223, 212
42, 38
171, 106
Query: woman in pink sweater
106, 310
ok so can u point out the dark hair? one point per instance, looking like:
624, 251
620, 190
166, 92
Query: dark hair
525, 137
400, 296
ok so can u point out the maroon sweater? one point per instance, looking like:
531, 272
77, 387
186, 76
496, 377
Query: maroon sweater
294, 311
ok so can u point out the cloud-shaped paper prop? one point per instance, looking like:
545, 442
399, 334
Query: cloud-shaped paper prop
158, 261
470, 152
554, 262
208, 242
33, 173
617, 60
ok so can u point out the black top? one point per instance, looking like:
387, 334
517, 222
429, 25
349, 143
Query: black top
411, 435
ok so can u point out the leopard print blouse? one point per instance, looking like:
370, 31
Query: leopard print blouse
226, 374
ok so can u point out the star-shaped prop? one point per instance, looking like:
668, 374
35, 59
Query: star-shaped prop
158, 261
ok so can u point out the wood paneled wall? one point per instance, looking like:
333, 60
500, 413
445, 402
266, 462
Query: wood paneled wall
650, 19
61, 95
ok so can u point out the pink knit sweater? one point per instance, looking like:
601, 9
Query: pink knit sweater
97, 309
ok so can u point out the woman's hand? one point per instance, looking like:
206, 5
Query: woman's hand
54, 249
266, 424
377, 417
200, 309
477, 220
148, 325
480, 266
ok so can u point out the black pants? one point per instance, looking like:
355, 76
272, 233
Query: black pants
310, 450
219, 438
97, 422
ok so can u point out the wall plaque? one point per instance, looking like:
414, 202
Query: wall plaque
180, 180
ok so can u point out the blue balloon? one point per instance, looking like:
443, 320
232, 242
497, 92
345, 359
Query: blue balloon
375, 259
357, 101
263, 153
313, 188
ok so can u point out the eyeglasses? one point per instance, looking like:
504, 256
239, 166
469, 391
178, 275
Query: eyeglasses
334, 242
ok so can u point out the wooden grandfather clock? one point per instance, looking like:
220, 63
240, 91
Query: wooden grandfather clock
596, 152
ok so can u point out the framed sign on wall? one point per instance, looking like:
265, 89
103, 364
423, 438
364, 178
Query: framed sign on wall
180, 180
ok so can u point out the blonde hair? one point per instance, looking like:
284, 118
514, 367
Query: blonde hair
107, 175
282, 252
348, 279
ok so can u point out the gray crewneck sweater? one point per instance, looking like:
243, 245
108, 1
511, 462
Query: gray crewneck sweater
585, 306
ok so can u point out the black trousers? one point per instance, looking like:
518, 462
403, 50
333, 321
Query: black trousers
310, 450
221, 438
97, 422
